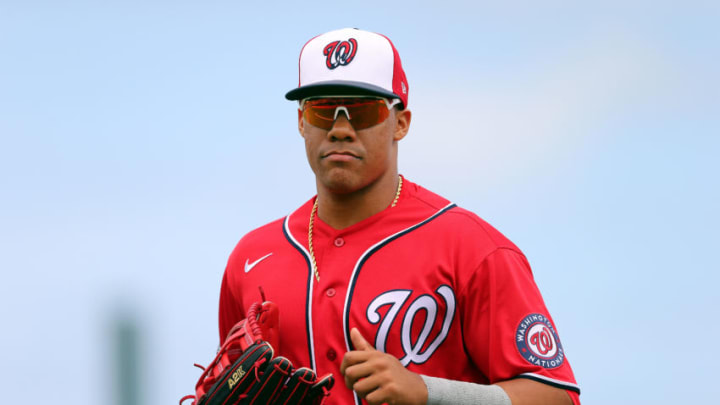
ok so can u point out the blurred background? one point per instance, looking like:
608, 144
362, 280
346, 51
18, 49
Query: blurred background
139, 140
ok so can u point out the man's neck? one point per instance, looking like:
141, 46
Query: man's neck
343, 210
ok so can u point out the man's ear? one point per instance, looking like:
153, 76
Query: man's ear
301, 123
402, 123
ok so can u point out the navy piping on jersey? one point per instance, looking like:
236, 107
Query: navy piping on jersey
361, 262
308, 304
551, 381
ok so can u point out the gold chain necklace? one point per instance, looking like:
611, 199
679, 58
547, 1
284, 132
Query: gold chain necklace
312, 220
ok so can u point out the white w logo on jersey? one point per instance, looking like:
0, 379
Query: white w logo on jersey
397, 299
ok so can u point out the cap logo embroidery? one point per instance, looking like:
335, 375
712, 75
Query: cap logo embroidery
340, 53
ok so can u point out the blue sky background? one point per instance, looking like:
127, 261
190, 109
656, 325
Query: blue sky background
139, 140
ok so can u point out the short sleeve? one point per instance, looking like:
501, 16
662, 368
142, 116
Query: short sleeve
508, 331
231, 310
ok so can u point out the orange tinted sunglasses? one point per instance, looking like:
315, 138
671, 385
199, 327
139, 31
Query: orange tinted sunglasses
361, 112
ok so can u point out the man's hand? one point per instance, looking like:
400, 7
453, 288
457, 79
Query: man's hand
379, 377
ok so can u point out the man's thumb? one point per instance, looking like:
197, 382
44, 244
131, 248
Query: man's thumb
359, 341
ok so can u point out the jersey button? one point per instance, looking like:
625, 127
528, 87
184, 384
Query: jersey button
330, 292
331, 355
339, 242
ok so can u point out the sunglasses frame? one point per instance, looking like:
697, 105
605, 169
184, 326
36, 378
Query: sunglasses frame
390, 104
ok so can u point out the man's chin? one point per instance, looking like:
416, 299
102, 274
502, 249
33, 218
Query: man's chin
341, 182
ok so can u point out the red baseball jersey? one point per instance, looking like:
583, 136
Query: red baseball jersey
426, 281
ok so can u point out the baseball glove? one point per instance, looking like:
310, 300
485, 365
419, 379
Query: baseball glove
246, 371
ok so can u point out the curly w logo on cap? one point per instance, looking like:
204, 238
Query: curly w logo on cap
340, 53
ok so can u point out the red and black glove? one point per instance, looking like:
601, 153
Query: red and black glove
246, 371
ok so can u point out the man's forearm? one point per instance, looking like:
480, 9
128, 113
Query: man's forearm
519, 391
450, 392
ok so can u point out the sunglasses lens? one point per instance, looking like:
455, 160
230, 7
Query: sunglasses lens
363, 112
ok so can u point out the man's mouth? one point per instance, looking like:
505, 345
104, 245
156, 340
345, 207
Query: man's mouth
340, 155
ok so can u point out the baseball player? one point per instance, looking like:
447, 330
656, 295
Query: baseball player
403, 296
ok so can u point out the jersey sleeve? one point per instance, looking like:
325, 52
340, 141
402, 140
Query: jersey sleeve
508, 330
230, 309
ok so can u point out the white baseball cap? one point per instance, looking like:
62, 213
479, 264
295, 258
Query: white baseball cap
348, 62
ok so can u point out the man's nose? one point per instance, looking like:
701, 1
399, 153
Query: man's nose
342, 129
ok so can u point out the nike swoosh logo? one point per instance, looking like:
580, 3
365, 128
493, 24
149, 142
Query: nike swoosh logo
249, 266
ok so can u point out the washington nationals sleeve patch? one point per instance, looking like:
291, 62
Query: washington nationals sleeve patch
538, 343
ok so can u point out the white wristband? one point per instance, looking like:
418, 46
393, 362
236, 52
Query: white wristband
451, 392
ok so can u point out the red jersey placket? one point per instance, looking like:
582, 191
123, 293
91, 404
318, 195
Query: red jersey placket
334, 253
